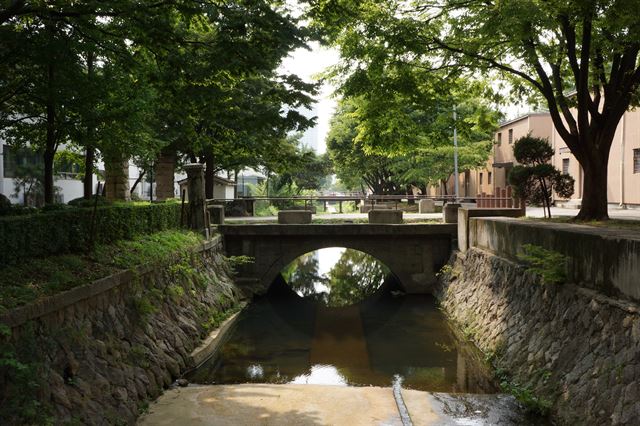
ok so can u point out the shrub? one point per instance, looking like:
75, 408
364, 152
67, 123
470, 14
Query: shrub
89, 202
5, 205
550, 265
536, 180
69, 230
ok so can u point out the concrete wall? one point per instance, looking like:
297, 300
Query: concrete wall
466, 213
99, 355
414, 253
604, 259
573, 350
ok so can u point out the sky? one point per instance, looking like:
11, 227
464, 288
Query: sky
307, 64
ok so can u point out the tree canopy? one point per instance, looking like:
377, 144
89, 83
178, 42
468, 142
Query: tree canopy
580, 57
135, 78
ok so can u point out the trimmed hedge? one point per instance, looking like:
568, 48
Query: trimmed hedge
68, 231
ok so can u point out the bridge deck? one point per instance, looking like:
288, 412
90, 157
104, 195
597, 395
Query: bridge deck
344, 229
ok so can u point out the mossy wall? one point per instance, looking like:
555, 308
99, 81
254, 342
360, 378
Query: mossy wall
560, 348
99, 359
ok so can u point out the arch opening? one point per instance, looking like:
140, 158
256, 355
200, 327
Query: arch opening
338, 276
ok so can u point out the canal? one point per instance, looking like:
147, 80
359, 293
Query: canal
339, 317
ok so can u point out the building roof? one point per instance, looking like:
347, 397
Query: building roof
522, 117
216, 179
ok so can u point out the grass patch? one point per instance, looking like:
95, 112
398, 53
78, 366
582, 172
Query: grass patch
33, 279
624, 224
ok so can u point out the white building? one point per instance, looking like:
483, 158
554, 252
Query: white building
71, 187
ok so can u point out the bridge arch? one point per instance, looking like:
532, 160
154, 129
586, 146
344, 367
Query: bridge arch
413, 252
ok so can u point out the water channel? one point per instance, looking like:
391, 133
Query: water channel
339, 317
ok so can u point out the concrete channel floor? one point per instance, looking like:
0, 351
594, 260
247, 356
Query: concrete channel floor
293, 405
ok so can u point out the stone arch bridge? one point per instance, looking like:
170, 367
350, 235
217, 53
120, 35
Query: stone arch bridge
413, 252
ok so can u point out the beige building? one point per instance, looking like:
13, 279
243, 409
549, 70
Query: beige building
623, 182
495, 174
623, 186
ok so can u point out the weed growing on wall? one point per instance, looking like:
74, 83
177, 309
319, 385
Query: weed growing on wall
20, 376
236, 262
550, 265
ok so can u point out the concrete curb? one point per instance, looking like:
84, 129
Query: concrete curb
212, 343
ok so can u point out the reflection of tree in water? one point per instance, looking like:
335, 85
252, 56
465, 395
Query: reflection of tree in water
303, 276
354, 277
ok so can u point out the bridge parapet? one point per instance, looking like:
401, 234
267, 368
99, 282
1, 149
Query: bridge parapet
413, 252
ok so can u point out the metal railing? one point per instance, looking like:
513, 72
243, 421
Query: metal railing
501, 199
307, 201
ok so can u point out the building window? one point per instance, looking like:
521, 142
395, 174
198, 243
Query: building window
500, 138
489, 176
636, 160
565, 166
18, 161
510, 136
480, 178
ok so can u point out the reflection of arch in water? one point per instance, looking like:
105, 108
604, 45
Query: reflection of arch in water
289, 256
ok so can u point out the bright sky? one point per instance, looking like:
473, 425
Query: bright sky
307, 64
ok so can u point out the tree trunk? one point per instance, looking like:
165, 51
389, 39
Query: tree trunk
116, 169
138, 180
594, 197
165, 170
235, 186
50, 147
89, 156
209, 174
87, 181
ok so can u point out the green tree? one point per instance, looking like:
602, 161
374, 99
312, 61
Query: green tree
579, 57
353, 166
417, 152
535, 179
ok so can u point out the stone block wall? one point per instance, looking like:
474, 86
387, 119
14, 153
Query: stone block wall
569, 346
112, 346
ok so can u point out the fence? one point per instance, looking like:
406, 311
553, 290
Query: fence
501, 199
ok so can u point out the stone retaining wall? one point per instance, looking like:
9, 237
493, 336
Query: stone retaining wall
571, 346
101, 351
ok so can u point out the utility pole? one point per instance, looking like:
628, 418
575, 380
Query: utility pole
455, 154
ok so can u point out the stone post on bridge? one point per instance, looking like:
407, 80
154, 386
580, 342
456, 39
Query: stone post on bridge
197, 210
164, 176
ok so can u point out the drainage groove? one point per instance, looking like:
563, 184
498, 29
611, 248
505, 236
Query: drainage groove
402, 408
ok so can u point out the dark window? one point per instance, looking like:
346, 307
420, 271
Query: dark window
13, 158
565, 166
480, 178
510, 135
500, 138
636, 160
489, 176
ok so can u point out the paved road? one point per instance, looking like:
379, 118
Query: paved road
632, 214
296, 405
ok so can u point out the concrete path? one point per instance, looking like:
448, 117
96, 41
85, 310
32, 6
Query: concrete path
292, 405
614, 213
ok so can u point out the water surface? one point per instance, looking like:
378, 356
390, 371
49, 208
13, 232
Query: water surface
353, 327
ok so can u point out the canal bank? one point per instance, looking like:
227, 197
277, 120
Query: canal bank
567, 348
97, 354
